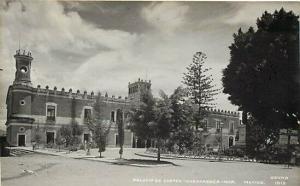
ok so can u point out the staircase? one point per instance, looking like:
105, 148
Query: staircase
19, 151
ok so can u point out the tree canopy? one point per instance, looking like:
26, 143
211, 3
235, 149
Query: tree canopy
263, 75
98, 127
152, 120
200, 86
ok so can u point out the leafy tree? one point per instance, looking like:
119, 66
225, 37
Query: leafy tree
120, 124
76, 131
153, 119
66, 134
182, 116
99, 128
36, 136
262, 77
59, 140
199, 86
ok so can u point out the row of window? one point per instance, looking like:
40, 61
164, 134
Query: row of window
133, 89
87, 113
51, 113
218, 125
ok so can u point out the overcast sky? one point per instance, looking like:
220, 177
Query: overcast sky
104, 45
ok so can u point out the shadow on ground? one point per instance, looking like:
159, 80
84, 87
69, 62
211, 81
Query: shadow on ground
144, 163
29, 172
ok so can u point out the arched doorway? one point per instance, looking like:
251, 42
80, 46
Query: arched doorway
230, 142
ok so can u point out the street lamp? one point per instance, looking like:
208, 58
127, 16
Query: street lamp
221, 129
221, 140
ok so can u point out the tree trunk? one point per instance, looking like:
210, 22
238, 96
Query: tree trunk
158, 153
289, 146
121, 151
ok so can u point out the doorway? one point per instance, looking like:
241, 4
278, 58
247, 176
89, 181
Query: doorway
21, 140
86, 137
50, 137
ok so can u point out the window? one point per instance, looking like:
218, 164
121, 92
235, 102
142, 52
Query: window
117, 140
218, 125
237, 136
231, 127
22, 102
50, 113
205, 124
112, 116
23, 69
87, 114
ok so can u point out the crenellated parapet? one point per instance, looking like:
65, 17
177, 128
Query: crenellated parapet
77, 94
23, 53
223, 112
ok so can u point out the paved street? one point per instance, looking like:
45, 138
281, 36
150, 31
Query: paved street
45, 170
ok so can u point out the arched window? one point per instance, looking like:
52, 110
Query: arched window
112, 116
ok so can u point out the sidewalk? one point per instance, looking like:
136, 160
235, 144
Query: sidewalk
110, 155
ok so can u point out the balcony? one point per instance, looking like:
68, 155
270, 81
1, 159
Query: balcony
50, 119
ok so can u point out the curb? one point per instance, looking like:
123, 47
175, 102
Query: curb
197, 158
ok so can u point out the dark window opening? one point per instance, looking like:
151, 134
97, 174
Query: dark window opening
231, 127
218, 125
86, 137
23, 69
237, 136
230, 141
117, 140
87, 114
112, 116
50, 113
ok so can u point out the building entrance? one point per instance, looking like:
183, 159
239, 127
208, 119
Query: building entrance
21, 140
86, 137
50, 137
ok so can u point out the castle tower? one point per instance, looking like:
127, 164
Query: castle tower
136, 89
23, 67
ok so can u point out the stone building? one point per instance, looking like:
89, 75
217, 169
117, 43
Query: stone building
31, 109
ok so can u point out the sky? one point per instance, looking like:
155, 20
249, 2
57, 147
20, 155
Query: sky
101, 46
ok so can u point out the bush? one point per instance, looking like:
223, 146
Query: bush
235, 151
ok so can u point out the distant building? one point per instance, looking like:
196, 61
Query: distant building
34, 108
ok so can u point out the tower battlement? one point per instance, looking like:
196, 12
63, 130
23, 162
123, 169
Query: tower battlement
23, 53
23, 67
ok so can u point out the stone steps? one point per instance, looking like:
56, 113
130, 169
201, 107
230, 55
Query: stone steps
19, 152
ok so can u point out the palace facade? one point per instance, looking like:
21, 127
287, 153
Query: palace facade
30, 108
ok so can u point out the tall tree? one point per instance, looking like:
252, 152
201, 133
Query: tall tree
66, 133
76, 132
120, 124
200, 86
36, 136
152, 120
98, 127
182, 116
262, 77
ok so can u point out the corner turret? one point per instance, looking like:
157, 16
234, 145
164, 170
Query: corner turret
23, 67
